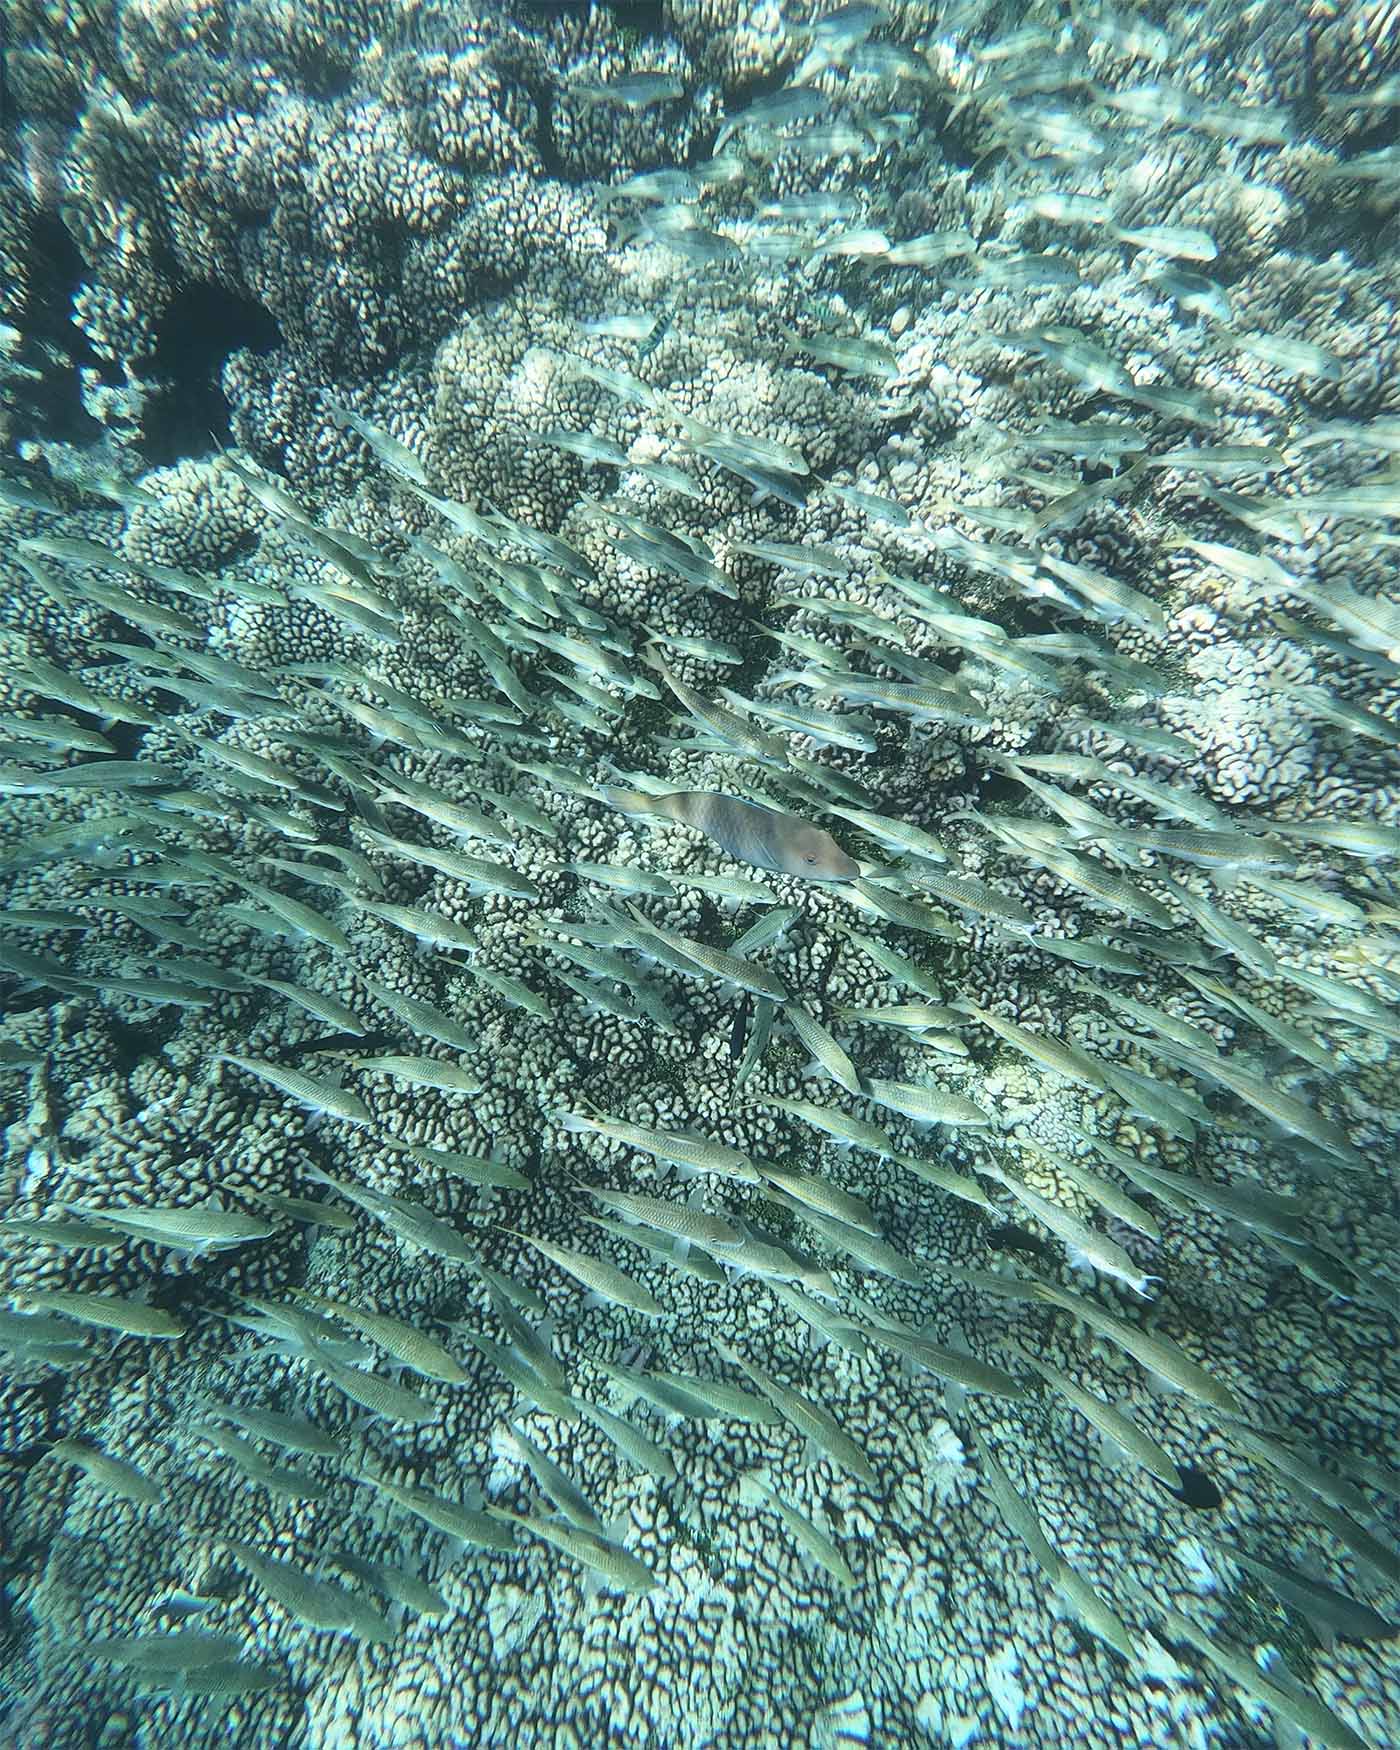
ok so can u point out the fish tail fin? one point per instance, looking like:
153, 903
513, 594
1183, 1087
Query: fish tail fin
627, 801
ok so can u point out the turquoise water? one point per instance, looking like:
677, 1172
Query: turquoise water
698, 821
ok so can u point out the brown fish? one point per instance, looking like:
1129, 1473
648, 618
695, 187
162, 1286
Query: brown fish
764, 837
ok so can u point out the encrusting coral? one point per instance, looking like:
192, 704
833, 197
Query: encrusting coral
902, 419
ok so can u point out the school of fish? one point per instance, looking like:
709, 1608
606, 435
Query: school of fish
324, 857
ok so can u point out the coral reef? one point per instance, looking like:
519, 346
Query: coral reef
964, 431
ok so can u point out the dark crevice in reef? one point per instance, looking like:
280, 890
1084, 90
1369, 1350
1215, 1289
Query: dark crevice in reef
1306, 111
960, 146
133, 1042
753, 89
126, 738
644, 17
19, 1000
1197, 1489
1010, 1238
1380, 133
56, 272
331, 78
1000, 787
203, 325
338, 1042
1040, 619
545, 143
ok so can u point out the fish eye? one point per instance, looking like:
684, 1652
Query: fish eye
809, 858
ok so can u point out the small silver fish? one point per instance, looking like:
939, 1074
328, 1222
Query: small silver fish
634, 91
452, 1518
317, 1096
113, 1474
810, 1538
809, 1418
598, 1276
618, 1570
110, 1312
317, 1603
